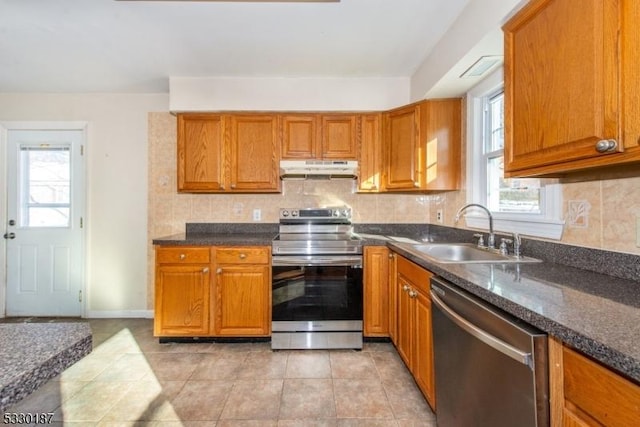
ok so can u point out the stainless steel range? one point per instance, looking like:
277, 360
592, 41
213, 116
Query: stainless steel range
317, 280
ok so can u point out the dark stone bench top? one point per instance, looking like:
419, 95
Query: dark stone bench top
33, 353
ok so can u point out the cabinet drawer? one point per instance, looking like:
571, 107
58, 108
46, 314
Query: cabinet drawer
183, 255
242, 255
602, 394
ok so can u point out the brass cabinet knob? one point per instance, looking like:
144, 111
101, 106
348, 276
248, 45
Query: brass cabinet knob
183, 256
219, 270
205, 270
243, 256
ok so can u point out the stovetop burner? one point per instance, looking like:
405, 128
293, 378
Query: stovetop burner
312, 231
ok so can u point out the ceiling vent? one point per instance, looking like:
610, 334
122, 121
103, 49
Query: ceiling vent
483, 66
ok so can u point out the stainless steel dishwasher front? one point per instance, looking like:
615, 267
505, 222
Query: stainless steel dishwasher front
490, 368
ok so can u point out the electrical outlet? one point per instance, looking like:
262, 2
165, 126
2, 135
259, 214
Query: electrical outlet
257, 214
439, 216
638, 231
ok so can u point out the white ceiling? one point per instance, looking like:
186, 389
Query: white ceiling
135, 46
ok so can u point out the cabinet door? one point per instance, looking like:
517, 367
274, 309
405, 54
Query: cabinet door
402, 149
200, 153
561, 83
423, 367
340, 137
405, 321
442, 133
393, 298
243, 303
369, 178
255, 153
299, 137
376, 291
182, 300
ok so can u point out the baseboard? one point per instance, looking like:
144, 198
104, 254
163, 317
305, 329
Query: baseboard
119, 314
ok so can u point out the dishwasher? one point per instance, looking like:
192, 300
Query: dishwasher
491, 369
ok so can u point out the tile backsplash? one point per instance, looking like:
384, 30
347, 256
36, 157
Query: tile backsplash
598, 214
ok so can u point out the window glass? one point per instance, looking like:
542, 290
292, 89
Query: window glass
45, 186
517, 195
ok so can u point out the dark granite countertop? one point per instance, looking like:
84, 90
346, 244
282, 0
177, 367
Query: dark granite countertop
217, 239
599, 314
595, 313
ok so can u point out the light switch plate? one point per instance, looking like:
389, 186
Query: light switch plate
257, 214
439, 216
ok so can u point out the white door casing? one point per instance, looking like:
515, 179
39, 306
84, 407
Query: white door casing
44, 230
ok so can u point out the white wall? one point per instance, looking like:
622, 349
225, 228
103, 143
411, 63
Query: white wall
116, 188
469, 37
281, 94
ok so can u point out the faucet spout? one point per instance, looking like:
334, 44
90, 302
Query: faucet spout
491, 241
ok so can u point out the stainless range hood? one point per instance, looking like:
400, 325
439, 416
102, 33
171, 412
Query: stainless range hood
318, 169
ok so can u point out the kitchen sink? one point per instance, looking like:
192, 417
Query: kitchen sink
461, 253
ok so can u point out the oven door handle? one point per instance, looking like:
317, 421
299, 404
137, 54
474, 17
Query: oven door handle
316, 260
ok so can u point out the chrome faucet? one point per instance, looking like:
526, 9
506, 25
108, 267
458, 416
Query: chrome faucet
517, 242
491, 241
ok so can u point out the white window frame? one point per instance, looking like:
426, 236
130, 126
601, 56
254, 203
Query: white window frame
548, 224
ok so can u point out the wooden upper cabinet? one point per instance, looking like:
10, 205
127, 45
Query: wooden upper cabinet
320, 136
339, 138
254, 148
568, 71
402, 154
200, 153
443, 143
370, 176
299, 136
422, 145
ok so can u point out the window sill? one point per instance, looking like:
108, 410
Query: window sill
534, 227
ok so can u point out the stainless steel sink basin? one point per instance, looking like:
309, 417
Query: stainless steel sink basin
461, 253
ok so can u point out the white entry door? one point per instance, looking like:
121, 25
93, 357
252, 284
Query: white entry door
44, 236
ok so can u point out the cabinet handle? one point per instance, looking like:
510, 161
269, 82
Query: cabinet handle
233, 186
416, 184
219, 270
205, 270
606, 145
406, 288
413, 294
391, 256
243, 256
182, 256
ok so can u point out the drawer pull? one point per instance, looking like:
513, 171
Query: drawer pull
183, 256
205, 270
219, 270
243, 256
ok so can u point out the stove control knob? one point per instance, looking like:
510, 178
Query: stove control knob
336, 213
346, 213
294, 213
285, 213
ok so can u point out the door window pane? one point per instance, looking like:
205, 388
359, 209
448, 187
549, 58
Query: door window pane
45, 186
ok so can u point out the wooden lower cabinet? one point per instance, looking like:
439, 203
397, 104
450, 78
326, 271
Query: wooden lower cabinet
183, 283
376, 291
212, 291
586, 393
242, 302
414, 337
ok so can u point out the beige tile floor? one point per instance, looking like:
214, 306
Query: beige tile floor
131, 380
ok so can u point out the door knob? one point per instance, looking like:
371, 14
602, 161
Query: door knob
9, 235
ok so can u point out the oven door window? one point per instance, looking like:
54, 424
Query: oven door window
317, 293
